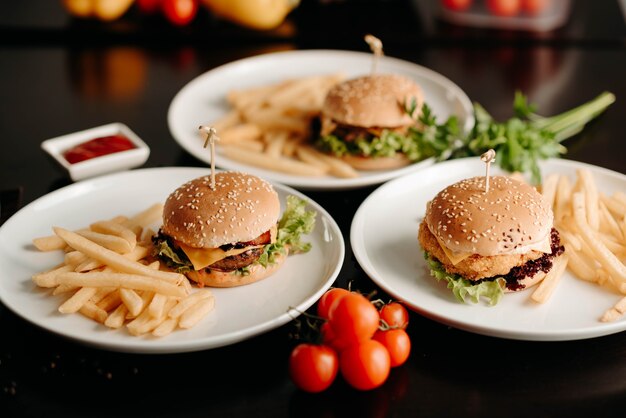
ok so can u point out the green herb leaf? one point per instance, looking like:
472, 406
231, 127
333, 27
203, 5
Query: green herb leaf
463, 289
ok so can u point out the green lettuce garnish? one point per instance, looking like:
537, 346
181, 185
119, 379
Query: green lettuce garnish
171, 258
463, 288
424, 140
295, 222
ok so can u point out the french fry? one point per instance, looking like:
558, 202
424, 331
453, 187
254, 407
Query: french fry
113, 259
562, 199
545, 289
335, 166
48, 278
229, 119
130, 286
615, 312
189, 301
92, 311
132, 301
196, 312
243, 132
277, 164
117, 317
111, 242
608, 260
123, 280
114, 228
157, 305
146, 217
136, 254
591, 197
75, 258
110, 301
150, 322
548, 188
78, 299
64, 288
275, 142
166, 327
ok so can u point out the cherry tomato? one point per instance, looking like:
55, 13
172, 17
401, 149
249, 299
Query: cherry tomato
313, 367
397, 343
535, 7
395, 315
149, 6
353, 318
180, 12
327, 300
458, 5
504, 7
365, 365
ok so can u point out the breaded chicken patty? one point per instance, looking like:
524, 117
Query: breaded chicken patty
474, 267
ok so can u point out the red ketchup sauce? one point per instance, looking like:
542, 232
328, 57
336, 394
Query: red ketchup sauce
98, 147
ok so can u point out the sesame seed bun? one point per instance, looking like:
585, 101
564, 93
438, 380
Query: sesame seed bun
239, 209
509, 219
373, 101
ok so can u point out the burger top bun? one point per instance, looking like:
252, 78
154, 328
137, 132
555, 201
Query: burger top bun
239, 209
510, 218
373, 101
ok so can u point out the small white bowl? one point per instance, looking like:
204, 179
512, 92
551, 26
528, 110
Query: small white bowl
96, 166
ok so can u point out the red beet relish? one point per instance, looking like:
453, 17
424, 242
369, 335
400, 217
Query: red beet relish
98, 147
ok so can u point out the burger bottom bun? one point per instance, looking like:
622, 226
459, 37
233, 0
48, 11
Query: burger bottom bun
377, 163
228, 279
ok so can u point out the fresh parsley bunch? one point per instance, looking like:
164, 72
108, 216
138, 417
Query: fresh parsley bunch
519, 142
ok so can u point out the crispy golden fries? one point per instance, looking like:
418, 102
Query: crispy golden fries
267, 127
108, 275
592, 228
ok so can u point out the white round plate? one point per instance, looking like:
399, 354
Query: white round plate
203, 100
384, 240
240, 312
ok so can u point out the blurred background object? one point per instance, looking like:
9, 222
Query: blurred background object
531, 15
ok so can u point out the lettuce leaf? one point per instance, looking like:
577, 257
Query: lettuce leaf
177, 263
295, 222
463, 289
424, 140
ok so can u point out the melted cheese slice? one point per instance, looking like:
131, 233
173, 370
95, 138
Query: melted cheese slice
204, 257
456, 257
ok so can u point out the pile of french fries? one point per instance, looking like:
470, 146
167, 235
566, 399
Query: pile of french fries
592, 226
108, 276
269, 127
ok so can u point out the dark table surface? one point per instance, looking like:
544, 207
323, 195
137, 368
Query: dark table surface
59, 75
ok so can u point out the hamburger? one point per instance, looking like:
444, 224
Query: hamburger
369, 121
484, 244
229, 235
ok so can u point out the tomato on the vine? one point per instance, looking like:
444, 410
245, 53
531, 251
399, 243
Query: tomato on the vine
397, 343
365, 365
180, 12
504, 7
312, 367
395, 315
327, 300
353, 318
